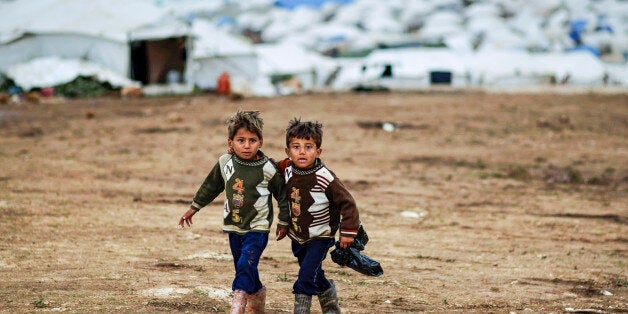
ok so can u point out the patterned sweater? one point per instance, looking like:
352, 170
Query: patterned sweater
248, 186
319, 204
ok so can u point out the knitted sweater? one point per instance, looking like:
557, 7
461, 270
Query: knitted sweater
248, 186
319, 204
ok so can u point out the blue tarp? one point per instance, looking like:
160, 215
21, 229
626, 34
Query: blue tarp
576, 29
291, 4
591, 49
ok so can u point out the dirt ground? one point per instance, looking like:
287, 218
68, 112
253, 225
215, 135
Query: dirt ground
473, 202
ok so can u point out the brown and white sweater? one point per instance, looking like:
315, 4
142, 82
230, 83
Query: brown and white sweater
319, 204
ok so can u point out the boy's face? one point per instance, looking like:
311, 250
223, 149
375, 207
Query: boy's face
303, 152
245, 144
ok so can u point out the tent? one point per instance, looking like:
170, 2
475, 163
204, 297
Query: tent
94, 31
505, 68
159, 52
292, 4
284, 61
579, 68
52, 71
216, 51
414, 68
136, 40
139, 40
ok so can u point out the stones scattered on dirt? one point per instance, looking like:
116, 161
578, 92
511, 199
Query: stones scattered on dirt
158, 129
558, 123
412, 214
174, 117
32, 132
391, 126
210, 255
165, 291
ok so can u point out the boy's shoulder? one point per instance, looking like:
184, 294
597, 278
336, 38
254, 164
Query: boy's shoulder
282, 165
225, 157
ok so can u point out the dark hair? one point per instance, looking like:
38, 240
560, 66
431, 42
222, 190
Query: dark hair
305, 130
250, 120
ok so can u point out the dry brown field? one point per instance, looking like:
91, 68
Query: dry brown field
473, 203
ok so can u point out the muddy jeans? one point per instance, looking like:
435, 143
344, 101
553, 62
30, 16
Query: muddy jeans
247, 250
310, 255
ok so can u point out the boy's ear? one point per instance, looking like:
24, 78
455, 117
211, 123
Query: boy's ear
287, 151
319, 151
230, 143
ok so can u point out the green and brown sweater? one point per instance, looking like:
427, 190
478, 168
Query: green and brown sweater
248, 186
319, 204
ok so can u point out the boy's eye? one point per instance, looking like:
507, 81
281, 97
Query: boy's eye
306, 147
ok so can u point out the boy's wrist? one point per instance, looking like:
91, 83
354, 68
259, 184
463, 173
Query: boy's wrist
348, 233
195, 206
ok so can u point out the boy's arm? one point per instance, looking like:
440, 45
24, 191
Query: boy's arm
278, 188
282, 229
209, 190
349, 215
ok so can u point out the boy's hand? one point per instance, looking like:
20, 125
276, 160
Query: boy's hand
345, 242
187, 218
281, 232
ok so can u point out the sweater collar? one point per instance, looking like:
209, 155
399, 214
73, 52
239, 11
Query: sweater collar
318, 164
252, 163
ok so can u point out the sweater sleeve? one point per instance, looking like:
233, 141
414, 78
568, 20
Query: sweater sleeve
349, 216
278, 189
210, 189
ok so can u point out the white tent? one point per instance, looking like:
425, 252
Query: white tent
139, 39
290, 60
516, 67
504, 68
573, 68
415, 68
617, 74
52, 71
216, 51
441, 24
94, 31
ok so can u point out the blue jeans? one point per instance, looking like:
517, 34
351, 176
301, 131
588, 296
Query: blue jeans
247, 250
310, 255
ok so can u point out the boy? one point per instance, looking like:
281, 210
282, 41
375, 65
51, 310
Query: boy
249, 178
319, 205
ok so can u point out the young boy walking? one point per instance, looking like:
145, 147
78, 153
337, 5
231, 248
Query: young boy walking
249, 179
319, 206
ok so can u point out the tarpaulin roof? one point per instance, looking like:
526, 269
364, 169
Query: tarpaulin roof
291, 4
110, 19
